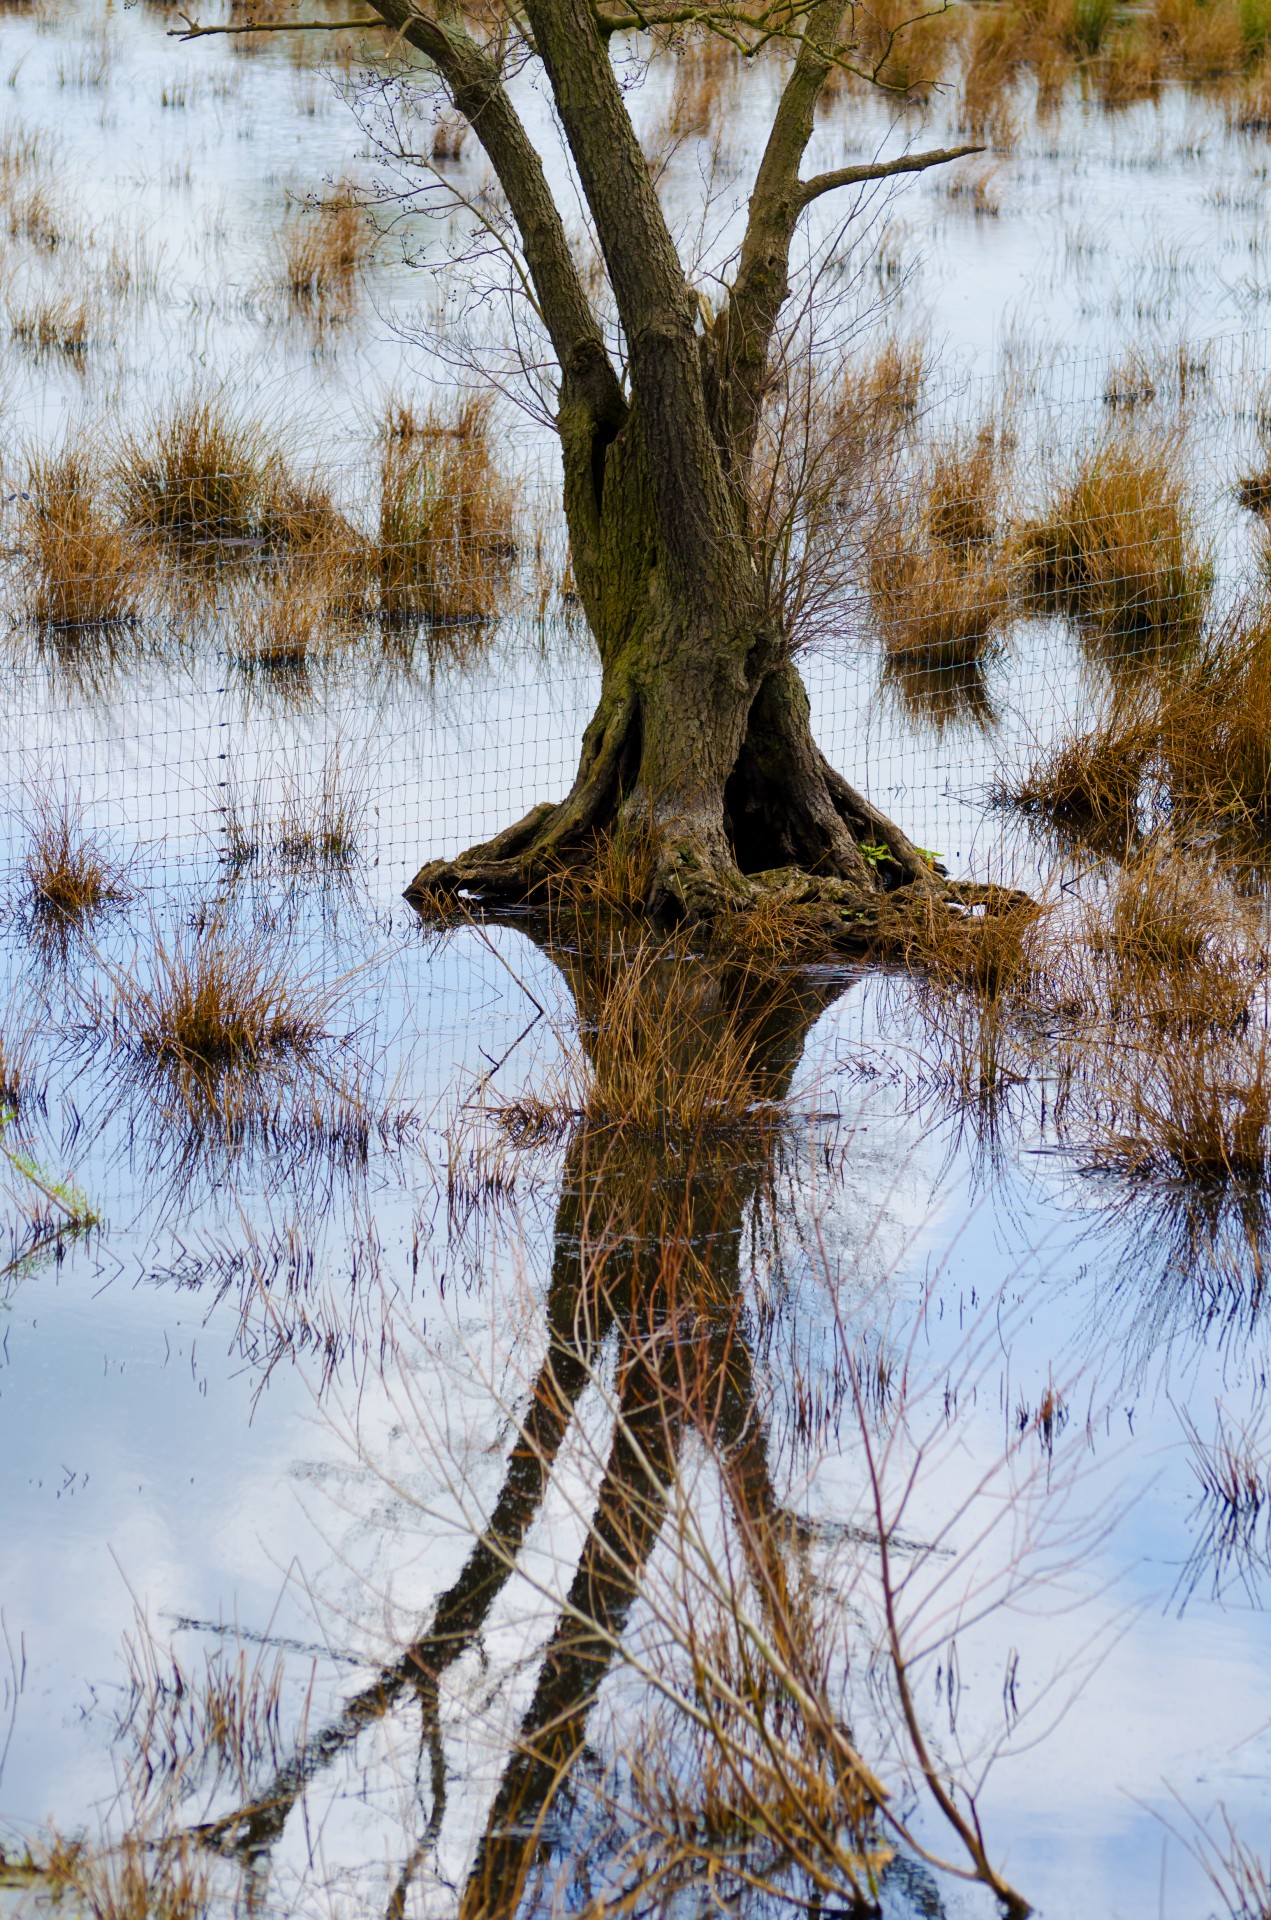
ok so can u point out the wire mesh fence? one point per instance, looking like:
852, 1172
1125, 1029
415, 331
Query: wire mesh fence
1041, 535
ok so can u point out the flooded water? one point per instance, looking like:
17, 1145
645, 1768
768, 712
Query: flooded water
279, 1564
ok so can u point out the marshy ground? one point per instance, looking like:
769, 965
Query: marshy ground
457, 1373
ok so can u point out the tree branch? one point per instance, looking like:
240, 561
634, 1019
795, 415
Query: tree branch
655, 304
193, 31
880, 170
613, 17
475, 85
761, 284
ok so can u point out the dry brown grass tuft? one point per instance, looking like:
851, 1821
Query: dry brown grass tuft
219, 1005
879, 393
1215, 726
70, 872
203, 472
1168, 912
34, 214
1117, 550
936, 584
1248, 108
1198, 1112
962, 489
1132, 67
324, 249
303, 610
977, 189
79, 567
445, 545
992, 953
1089, 783
661, 1059
776, 932
1201, 731
1131, 383
934, 609
617, 870
665, 1049
1134, 1026
994, 48
63, 324
143, 1876
910, 51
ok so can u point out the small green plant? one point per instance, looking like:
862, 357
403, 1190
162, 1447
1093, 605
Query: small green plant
77, 1212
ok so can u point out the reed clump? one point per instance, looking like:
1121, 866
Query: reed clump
1089, 783
1215, 726
324, 250
321, 825
79, 567
993, 953
1200, 1112
445, 542
204, 472
1117, 551
934, 609
937, 587
994, 50
1133, 1027
961, 505
1132, 67
219, 1004
1197, 733
304, 608
879, 394
1166, 913
63, 324
69, 871
142, 1876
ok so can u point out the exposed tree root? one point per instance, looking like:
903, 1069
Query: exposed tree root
783, 830
533, 863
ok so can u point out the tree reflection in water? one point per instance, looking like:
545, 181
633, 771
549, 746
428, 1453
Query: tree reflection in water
646, 1292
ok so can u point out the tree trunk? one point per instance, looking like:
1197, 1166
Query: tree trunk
700, 743
700, 747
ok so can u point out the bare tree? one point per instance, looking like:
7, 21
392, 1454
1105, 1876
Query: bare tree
701, 744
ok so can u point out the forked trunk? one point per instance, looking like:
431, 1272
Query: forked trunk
701, 741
